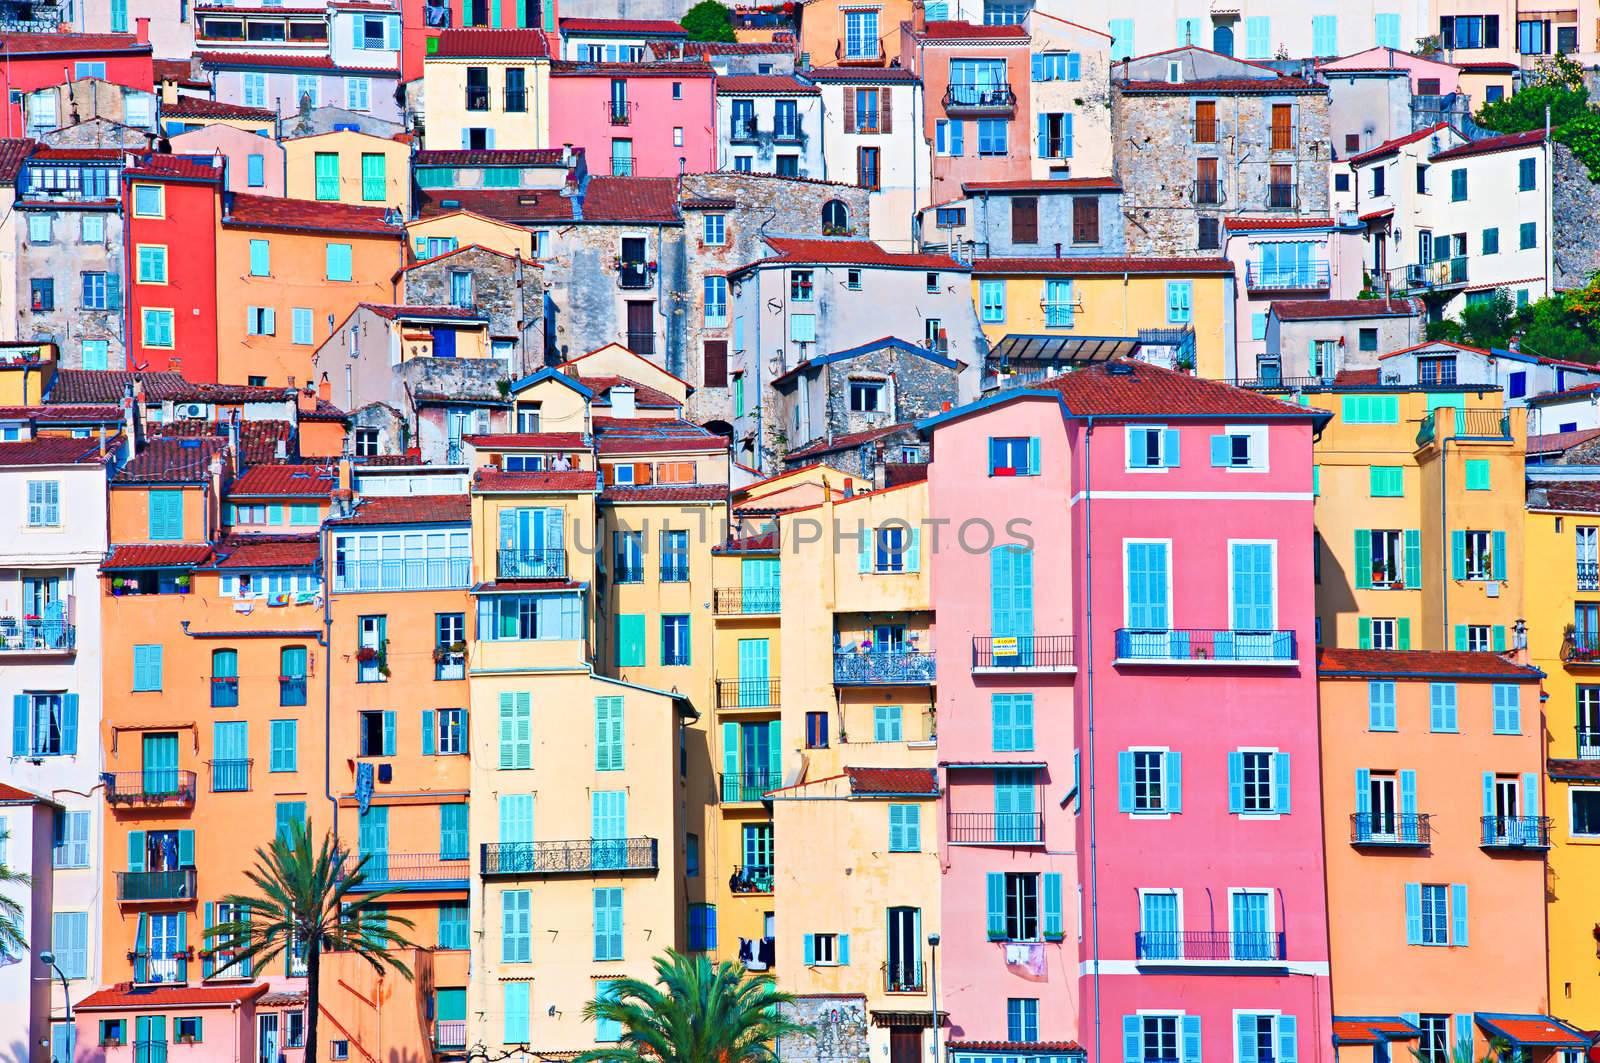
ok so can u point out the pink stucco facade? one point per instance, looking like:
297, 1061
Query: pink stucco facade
667, 117
236, 146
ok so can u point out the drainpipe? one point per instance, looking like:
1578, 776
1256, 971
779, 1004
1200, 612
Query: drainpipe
325, 640
1088, 653
1444, 529
1549, 206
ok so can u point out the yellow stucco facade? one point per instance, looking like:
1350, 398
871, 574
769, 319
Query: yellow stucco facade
467, 229
452, 109
349, 167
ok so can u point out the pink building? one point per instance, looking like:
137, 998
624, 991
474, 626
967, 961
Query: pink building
1287, 258
1190, 778
255, 164
637, 119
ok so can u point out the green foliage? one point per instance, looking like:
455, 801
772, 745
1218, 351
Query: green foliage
1582, 135
1565, 326
694, 1013
1525, 110
12, 939
708, 21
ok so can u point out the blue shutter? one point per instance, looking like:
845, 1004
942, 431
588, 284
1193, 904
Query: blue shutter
1413, 913
1288, 1041
1363, 558
141, 938
1280, 797
1458, 914
1191, 1039
19, 725
1498, 545
428, 733
1530, 794
136, 851
1413, 551
1458, 555
1043, 130
1125, 782
1408, 793
1235, 782
1363, 792
1053, 926
1221, 452
1169, 448
1066, 135
1132, 1042
1464, 1034
208, 964
808, 949
1174, 787
388, 733
995, 883
1461, 637
186, 848
842, 950
516, 1010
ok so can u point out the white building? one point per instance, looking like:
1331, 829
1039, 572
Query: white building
871, 137
1525, 379
769, 123
1070, 93
53, 536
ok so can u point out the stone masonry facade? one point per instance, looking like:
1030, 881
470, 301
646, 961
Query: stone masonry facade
1574, 205
510, 292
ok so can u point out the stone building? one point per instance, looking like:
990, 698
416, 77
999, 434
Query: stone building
1199, 137
506, 289
1574, 204
725, 216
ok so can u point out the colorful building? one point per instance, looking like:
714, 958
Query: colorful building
488, 89
348, 166
659, 119
170, 207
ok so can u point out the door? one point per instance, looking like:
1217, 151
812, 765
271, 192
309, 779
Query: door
609, 820
759, 580
642, 327
754, 681
230, 764
267, 1041
150, 1039
1206, 187
1222, 40
905, 1044
373, 842
161, 763
1507, 802
444, 343
1024, 220
1015, 810
1252, 930
1586, 629
1381, 792
758, 857
755, 753
1011, 605
905, 950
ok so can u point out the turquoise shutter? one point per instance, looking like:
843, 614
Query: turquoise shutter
1288, 1040
842, 952
864, 549
136, 851
428, 733
1461, 637
69, 724
516, 999
186, 848
809, 949
1413, 547
913, 555
1363, 559
388, 733
1125, 782
1364, 632
183, 946
1132, 1041
1402, 633
730, 757
1244, 1035
1498, 638
1408, 794
1413, 913
20, 717
1235, 782
207, 963
1280, 783
1170, 448
1464, 1033
774, 752
508, 729
1458, 555
1458, 914
1530, 794
1363, 792
1174, 786
141, 943
1053, 928
1191, 1039
1498, 545
995, 883
1221, 452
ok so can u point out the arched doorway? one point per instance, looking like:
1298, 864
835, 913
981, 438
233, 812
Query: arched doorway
1222, 40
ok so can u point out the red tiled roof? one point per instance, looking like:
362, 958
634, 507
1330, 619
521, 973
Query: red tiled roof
1272, 86
390, 312
494, 157
490, 478
1539, 1031
665, 493
258, 439
1069, 184
49, 450
1389, 147
491, 44
1509, 142
233, 394
893, 781
865, 74
606, 199
12, 151
1352, 378
1102, 265
125, 995
643, 394
676, 68
202, 107
1572, 770
1111, 389
178, 70
410, 509
847, 252
966, 31
1378, 215
1029, 1047
77, 386
292, 481
14, 795
325, 411
250, 60
613, 446
1267, 224
61, 414
69, 43
157, 555
529, 441
305, 215
1556, 442
179, 166
1327, 309
47, 151
1370, 1031
627, 26
1334, 661
765, 85
268, 551
173, 460
1568, 496
847, 441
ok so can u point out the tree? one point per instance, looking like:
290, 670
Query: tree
1482, 324
12, 940
694, 1013
311, 900
709, 21
1525, 110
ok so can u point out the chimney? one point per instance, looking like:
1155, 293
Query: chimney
233, 443
306, 398
344, 473
919, 17
324, 389
130, 418
623, 402
141, 30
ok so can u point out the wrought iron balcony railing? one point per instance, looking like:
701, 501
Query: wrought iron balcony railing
748, 785
291, 690
884, 668
224, 692
229, 776
1213, 946
751, 878
747, 694
531, 564
996, 828
1023, 652
1516, 832
153, 787
976, 99
136, 886
1588, 576
734, 601
1588, 743
402, 871
1312, 276
1207, 645
450, 1033
1405, 830
585, 856
37, 636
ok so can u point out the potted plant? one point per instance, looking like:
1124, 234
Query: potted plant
182, 583
117, 585
366, 654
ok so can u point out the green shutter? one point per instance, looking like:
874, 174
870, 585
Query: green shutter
1363, 559
630, 640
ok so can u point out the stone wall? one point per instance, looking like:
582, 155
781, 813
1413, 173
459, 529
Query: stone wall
591, 307
1574, 206
919, 388
63, 261
511, 293
838, 1031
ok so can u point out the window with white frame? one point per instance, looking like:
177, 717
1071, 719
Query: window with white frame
1240, 448
1585, 803
868, 396
1383, 633
1152, 447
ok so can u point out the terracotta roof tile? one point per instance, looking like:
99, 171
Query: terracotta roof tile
1028, 1047
893, 781
1556, 442
175, 166
1358, 378
305, 215
173, 460
606, 199
1046, 184
665, 493
15, 795
1112, 390
491, 44
391, 312
791, 250
180, 71
1568, 496
1102, 265
268, 551
204, 107
643, 394
950, 30
843, 442
157, 555
1273, 86
325, 411
490, 478
636, 27
49, 450
1509, 142
1327, 309
252, 60
291, 481
63, 414
77, 386
1389, 147
1402, 663
12, 151
125, 995
1572, 770
258, 439
69, 43
410, 509
530, 441
613, 445
765, 85
494, 157
1268, 224
674, 68
852, 74
1532, 1031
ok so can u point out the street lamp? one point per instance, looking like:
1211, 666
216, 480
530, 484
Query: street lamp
49, 959
933, 973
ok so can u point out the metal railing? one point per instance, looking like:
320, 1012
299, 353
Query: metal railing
411, 870
477, 98
580, 857
1310, 276
845, 55
224, 691
1206, 644
883, 668
1022, 651
633, 275
1469, 424
1206, 192
1516, 832
973, 98
996, 828
735, 600
743, 129
788, 129
1582, 647
133, 886
156, 786
150, 1051
450, 1033
1401, 829
291, 690
37, 636
1588, 743
451, 666
1281, 196
1274, 382
747, 693
903, 978
751, 878
229, 776
531, 564
748, 785
1209, 945
516, 100
1588, 576
418, 574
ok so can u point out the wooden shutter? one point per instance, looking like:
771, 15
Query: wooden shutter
849, 110
715, 357
1024, 220
1086, 220
885, 111
1205, 121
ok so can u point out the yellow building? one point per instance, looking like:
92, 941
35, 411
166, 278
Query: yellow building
1418, 518
487, 88
442, 233
1100, 298
1562, 602
348, 166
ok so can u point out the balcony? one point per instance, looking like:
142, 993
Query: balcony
161, 970
1207, 193
229, 776
477, 97
155, 788
996, 828
634, 276
1588, 576
1397, 830
144, 887
737, 601
1000, 654
450, 1034
587, 856
150, 1051
37, 636
751, 878
1588, 743
1209, 946
863, 53
224, 692
1282, 196
531, 564
1313, 276
617, 112
449, 664
412, 871
1438, 274
883, 668
902, 977
742, 130
1277, 382
516, 101
1488, 425
1194, 646
291, 690
642, 342
979, 101
747, 694
416, 574
738, 786
1516, 833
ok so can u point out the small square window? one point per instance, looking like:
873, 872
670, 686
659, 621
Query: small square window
852, 279
933, 283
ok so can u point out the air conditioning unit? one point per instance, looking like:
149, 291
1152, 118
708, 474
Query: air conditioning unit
191, 411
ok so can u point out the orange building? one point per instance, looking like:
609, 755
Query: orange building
288, 270
1437, 910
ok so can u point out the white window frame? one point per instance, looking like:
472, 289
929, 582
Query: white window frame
1571, 808
1257, 434
1175, 891
1272, 786
833, 949
1272, 913
1394, 632
1165, 811
1177, 1017
1239, 1013
1161, 446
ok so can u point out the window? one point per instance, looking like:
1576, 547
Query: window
608, 923
71, 943
715, 230
1011, 722
816, 730
1258, 781
1527, 175
675, 639
1021, 905
992, 300
1209, 236
1585, 812
147, 667
516, 730
338, 262
887, 723
451, 739
187, 1029
376, 729
44, 503
1150, 780
1434, 1045
868, 396
284, 748
71, 839
1180, 302
1013, 456
1436, 914
1022, 1019
1341, 182
992, 136
113, 1032
716, 302
861, 35
1058, 303
366, 444
1240, 448
261, 321
44, 294
905, 828
1477, 553
148, 201
1458, 185
891, 548
1529, 235
628, 554
1507, 709
702, 927
1152, 448
453, 926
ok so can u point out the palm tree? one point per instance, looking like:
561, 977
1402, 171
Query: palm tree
313, 901
12, 941
694, 1013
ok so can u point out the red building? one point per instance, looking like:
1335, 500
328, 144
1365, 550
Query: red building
171, 207
40, 60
